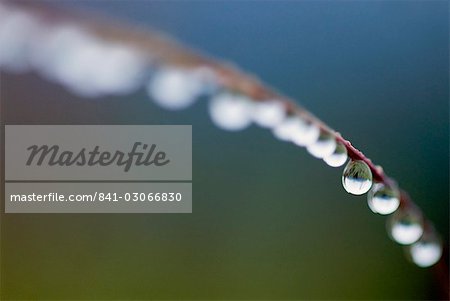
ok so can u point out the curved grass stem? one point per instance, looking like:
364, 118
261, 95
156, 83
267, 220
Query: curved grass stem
165, 51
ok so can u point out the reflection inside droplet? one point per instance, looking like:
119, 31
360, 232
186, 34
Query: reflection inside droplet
357, 177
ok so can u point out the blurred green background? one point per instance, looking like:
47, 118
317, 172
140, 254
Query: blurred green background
269, 221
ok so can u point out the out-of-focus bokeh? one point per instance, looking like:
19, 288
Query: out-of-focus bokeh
269, 221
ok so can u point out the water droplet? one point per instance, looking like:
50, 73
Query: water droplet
268, 113
18, 30
121, 70
175, 89
338, 157
324, 146
285, 129
85, 64
383, 199
406, 226
230, 112
297, 130
427, 251
306, 133
357, 177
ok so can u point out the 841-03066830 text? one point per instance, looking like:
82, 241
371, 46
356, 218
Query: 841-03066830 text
99, 197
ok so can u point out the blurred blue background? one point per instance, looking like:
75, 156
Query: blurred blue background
268, 221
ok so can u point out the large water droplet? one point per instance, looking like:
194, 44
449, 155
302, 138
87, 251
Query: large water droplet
338, 157
324, 146
406, 226
383, 199
268, 113
230, 112
86, 65
357, 177
427, 251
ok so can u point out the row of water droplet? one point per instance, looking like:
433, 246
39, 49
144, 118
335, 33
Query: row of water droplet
90, 67
406, 224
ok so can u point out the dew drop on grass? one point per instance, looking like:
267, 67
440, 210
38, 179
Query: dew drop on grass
338, 157
323, 147
357, 177
383, 199
230, 112
18, 30
306, 133
175, 89
427, 251
406, 226
285, 129
268, 113
297, 130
